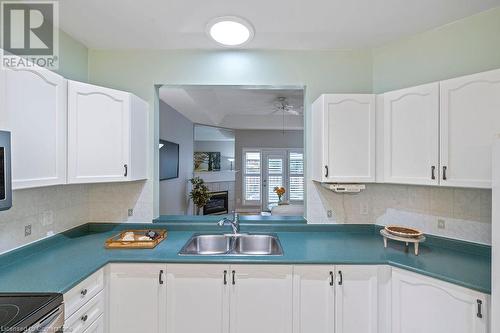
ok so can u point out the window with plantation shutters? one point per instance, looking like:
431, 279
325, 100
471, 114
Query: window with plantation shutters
265, 169
252, 177
296, 176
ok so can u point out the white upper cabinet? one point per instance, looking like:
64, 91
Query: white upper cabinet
422, 304
261, 299
197, 298
411, 135
136, 298
343, 138
107, 135
470, 121
34, 110
313, 299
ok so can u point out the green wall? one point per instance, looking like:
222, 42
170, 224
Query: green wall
139, 71
73, 58
466, 46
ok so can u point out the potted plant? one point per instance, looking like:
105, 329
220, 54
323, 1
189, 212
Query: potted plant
200, 193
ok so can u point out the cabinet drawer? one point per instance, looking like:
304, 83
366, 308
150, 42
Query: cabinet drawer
83, 292
86, 315
97, 326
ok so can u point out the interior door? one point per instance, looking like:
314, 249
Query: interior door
274, 173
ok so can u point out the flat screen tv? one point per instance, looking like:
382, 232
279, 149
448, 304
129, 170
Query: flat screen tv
169, 160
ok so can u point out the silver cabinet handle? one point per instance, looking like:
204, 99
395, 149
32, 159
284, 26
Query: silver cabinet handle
340, 278
331, 278
225, 277
84, 318
444, 172
433, 172
234, 279
479, 308
326, 171
83, 292
126, 170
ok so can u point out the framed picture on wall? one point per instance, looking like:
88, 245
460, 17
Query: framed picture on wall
207, 161
169, 160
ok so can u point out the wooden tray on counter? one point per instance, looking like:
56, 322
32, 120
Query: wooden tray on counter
116, 241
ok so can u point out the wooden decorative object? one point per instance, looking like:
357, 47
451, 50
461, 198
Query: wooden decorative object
415, 240
404, 232
117, 242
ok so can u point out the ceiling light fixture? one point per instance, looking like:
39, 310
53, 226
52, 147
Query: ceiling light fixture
230, 31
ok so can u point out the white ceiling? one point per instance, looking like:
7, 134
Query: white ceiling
209, 133
279, 24
234, 107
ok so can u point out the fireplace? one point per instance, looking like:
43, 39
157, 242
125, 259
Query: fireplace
217, 205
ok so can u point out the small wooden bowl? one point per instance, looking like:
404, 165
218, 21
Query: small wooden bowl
403, 231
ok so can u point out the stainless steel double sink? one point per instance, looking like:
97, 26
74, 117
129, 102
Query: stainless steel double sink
233, 244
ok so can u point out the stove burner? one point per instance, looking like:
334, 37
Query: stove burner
8, 313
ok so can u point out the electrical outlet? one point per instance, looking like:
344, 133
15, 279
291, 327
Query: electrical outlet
363, 209
130, 212
27, 230
329, 213
47, 218
441, 224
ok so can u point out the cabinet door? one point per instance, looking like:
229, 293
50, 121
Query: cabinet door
98, 133
350, 127
422, 304
411, 135
470, 121
137, 298
261, 299
197, 298
313, 299
356, 299
35, 111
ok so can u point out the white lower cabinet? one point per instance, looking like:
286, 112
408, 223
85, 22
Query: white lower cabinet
422, 304
313, 299
217, 298
361, 298
261, 299
137, 298
197, 298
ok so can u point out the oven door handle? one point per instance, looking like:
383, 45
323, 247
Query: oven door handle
53, 322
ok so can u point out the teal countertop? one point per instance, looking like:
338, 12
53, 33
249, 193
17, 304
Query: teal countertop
60, 262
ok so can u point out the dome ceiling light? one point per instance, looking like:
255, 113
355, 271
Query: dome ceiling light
230, 31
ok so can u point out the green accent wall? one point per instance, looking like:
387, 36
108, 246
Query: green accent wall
463, 47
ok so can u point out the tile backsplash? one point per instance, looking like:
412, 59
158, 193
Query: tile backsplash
466, 213
48, 210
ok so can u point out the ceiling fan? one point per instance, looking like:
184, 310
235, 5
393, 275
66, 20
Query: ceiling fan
282, 106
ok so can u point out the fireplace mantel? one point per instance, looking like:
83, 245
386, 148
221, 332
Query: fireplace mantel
217, 176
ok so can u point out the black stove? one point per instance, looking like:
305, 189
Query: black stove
31, 312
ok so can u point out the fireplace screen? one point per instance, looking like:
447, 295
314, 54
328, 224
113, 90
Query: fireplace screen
217, 204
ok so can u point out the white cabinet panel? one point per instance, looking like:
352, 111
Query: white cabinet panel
261, 299
357, 298
107, 135
470, 121
97, 326
34, 109
197, 298
344, 138
313, 299
422, 304
411, 135
137, 298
